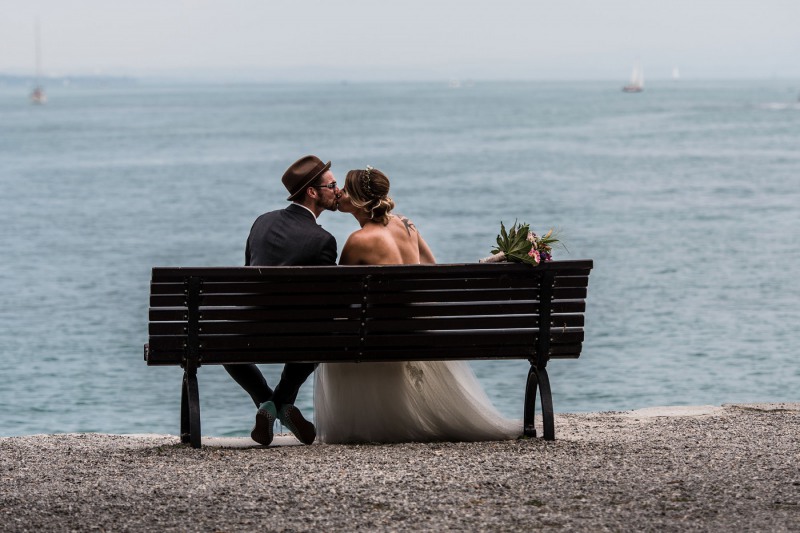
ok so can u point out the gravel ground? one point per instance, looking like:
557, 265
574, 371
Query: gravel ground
705, 468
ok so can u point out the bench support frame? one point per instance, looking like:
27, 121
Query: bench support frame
190, 394
537, 374
538, 380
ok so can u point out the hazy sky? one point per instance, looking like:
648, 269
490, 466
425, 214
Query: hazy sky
437, 39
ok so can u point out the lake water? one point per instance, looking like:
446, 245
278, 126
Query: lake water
685, 196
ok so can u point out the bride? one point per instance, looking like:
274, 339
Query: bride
397, 401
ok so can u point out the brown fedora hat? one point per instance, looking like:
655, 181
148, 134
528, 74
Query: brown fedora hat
302, 173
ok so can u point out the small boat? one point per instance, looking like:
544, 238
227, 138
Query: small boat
38, 95
636, 84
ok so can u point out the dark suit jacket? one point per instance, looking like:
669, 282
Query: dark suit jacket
289, 236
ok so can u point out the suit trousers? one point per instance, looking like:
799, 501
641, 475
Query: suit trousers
250, 378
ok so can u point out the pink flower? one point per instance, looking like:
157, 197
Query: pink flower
535, 254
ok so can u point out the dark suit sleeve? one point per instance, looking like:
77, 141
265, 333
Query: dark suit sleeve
328, 255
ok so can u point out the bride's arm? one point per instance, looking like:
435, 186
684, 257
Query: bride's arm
425, 253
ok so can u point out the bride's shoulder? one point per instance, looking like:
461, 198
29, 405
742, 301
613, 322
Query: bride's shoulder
367, 236
365, 246
404, 222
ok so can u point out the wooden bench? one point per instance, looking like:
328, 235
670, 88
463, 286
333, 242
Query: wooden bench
203, 316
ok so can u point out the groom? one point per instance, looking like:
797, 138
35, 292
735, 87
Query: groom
289, 236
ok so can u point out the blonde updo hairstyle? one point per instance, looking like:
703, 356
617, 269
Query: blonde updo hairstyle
369, 191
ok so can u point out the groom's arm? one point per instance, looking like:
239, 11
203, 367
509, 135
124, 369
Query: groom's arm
329, 253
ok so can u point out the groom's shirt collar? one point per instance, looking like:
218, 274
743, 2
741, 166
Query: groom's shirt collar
307, 209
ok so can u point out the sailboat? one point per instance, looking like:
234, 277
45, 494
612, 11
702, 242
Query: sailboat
636, 84
38, 95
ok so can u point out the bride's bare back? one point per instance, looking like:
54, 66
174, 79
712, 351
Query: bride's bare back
397, 243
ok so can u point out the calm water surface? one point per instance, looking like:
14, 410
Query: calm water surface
685, 196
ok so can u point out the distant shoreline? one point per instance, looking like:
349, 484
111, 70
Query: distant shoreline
10, 80
233, 79
711, 468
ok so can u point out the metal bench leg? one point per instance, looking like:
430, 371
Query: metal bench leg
529, 429
538, 379
547, 405
190, 408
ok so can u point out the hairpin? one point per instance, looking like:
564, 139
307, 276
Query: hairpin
365, 181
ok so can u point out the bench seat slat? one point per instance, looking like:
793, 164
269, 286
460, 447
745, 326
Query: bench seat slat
559, 308
367, 354
290, 343
481, 338
210, 343
159, 356
434, 353
571, 281
572, 267
328, 327
348, 298
281, 323
455, 309
390, 285
456, 296
449, 323
482, 309
497, 295
287, 343
222, 300
499, 282
335, 355
568, 306
568, 350
257, 313
472, 337
464, 323
258, 287
566, 321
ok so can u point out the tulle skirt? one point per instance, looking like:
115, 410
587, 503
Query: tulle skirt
413, 401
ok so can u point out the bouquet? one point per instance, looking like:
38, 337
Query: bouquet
521, 245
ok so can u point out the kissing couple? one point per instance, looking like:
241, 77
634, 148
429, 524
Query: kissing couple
359, 402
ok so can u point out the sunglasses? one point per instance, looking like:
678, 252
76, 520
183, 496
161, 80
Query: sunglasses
331, 186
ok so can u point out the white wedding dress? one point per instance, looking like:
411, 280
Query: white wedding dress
405, 402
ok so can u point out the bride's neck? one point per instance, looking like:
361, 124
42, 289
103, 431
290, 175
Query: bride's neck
363, 218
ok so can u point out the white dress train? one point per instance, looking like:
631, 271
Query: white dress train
405, 402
